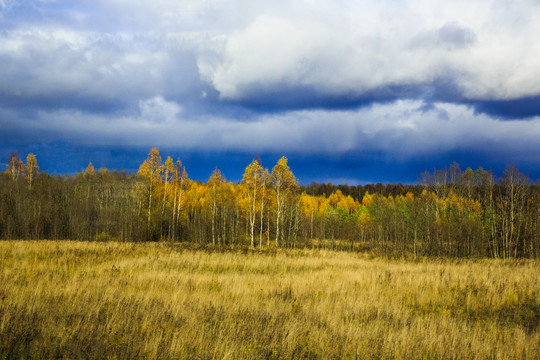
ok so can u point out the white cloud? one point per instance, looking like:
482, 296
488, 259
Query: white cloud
488, 49
157, 110
56, 62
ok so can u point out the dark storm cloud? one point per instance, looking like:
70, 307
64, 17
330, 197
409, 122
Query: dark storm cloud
525, 107
284, 98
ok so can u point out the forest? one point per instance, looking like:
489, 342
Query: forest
451, 212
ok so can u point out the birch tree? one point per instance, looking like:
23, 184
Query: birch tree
512, 203
178, 178
252, 182
15, 166
90, 170
284, 183
31, 169
167, 173
265, 177
216, 183
151, 169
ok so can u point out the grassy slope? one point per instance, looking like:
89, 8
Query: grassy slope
126, 301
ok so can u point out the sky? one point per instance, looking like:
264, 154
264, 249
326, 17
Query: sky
350, 91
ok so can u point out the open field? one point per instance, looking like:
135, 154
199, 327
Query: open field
154, 300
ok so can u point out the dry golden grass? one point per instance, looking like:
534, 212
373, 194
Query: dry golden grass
128, 301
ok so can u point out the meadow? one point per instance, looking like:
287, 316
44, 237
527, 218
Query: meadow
92, 300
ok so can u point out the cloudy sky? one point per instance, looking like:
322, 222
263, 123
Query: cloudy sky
350, 91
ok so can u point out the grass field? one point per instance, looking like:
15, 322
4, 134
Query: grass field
128, 301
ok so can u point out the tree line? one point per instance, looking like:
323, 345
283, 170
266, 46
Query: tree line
450, 213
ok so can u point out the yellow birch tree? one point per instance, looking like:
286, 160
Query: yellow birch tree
151, 169
252, 182
32, 169
284, 183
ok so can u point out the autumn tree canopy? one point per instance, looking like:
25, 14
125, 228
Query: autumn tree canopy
453, 212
